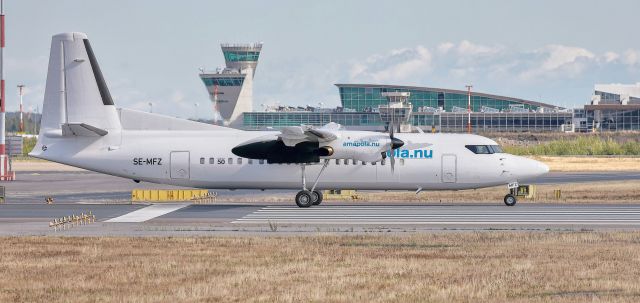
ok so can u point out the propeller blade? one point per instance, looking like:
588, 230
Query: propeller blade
392, 160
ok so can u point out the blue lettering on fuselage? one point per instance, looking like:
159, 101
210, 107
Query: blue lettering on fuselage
412, 154
360, 144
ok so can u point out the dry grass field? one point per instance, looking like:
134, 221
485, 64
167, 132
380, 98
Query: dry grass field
440, 267
590, 164
41, 165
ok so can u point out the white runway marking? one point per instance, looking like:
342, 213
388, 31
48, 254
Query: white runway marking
147, 213
449, 215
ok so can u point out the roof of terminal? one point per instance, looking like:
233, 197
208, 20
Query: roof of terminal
452, 91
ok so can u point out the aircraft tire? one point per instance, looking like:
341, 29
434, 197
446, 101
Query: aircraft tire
316, 196
510, 200
304, 199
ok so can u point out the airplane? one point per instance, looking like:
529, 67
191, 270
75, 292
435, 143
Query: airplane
82, 127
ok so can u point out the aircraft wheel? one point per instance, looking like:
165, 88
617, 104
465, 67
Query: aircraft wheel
510, 200
304, 199
316, 196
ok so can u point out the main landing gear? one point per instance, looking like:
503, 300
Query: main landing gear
510, 199
306, 198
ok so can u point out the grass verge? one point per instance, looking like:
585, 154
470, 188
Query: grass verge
585, 146
450, 267
590, 164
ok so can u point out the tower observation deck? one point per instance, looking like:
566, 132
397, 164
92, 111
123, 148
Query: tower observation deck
231, 88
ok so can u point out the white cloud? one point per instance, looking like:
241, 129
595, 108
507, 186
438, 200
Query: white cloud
631, 57
445, 47
453, 64
610, 57
467, 48
558, 61
397, 65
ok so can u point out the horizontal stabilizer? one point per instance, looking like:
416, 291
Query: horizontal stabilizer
82, 130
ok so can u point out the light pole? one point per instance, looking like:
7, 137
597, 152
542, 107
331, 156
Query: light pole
5, 166
20, 89
469, 108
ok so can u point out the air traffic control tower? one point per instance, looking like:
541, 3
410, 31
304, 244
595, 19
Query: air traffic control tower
231, 88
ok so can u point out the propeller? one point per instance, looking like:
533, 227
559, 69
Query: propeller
395, 143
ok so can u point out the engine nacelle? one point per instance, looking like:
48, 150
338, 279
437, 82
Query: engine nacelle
325, 151
274, 150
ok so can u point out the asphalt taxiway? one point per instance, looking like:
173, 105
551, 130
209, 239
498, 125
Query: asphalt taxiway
90, 187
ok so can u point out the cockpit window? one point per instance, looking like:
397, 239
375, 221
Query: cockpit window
496, 149
484, 149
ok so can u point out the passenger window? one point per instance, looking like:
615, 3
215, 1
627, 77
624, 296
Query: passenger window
250, 161
261, 161
355, 162
373, 163
346, 161
212, 160
337, 161
230, 161
201, 160
364, 163
239, 160
382, 161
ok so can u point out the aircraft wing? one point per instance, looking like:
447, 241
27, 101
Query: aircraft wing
293, 135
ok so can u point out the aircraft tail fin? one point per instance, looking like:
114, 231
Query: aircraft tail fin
76, 92
78, 109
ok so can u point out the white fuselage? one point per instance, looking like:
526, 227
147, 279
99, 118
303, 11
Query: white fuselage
203, 159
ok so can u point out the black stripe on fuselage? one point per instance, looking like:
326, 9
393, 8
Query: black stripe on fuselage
102, 86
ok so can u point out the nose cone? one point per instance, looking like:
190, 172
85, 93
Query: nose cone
529, 169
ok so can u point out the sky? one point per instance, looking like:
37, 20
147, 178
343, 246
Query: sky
151, 50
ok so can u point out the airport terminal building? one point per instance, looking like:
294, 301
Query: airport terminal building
439, 108
613, 107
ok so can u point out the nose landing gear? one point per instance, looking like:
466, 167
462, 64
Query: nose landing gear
510, 199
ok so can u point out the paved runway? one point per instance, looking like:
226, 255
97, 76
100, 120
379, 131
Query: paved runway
451, 215
181, 219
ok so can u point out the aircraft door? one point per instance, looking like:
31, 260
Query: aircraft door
449, 168
180, 165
